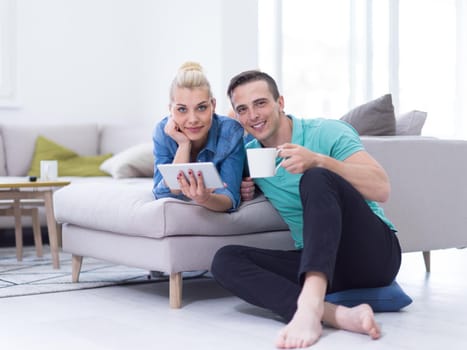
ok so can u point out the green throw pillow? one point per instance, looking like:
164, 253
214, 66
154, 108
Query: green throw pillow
70, 163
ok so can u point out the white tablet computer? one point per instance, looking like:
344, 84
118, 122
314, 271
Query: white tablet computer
211, 176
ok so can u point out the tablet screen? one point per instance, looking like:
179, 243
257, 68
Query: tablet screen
211, 176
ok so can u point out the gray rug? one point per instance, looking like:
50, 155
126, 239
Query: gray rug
36, 275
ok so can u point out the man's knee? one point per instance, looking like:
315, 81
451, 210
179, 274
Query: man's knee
316, 176
222, 262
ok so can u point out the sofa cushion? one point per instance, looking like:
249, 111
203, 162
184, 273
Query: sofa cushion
136, 161
69, 162
128, 207
373, 118
383, 299
82, 139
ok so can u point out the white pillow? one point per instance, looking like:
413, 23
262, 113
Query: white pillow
410, 123
136, 161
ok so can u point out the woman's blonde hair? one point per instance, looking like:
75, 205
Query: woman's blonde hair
190, 75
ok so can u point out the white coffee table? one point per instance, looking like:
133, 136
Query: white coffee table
18, 190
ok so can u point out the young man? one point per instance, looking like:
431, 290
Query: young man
326, 190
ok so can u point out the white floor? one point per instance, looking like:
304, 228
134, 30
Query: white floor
138, 317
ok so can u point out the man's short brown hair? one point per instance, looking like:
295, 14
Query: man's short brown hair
250, 76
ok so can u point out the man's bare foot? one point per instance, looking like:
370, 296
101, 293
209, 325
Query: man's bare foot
302, 331
359, 319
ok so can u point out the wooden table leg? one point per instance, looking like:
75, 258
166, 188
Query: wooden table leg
76, 262
59, 235
18, 229
51, 227
36, 229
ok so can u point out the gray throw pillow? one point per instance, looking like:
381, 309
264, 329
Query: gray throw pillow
410, 123
375, 118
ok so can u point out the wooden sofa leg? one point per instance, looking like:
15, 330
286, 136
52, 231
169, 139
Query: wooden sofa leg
76, 262
426, 258
175, 290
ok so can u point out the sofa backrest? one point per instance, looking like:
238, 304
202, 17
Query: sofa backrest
2, 158
428, 193
115, 138
19, 142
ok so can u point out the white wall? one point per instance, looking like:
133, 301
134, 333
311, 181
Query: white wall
113, 60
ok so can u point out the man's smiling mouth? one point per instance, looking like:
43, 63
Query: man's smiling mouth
258, 126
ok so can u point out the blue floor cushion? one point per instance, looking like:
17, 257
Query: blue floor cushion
382, 299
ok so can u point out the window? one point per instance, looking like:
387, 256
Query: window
337, 54
427, 64
8, 93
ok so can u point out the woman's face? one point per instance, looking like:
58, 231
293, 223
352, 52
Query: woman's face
192, 111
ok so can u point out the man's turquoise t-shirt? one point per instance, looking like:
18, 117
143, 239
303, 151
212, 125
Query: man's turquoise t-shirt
333, 138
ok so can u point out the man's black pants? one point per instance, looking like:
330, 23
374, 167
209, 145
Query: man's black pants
342, 238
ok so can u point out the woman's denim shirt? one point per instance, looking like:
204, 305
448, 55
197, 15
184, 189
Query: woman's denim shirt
224, 148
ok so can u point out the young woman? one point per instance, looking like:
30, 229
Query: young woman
193, 132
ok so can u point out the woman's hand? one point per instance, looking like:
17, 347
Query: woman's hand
247, 189
193, 187
173, 130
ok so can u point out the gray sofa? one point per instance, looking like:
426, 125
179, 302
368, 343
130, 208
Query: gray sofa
17, 143
125, 225
117, 219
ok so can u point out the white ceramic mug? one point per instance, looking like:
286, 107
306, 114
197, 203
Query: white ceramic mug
262, 161
49, 170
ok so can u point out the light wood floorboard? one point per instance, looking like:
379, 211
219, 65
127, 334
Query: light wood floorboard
139, 316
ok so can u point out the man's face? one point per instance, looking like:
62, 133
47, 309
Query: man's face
256, 110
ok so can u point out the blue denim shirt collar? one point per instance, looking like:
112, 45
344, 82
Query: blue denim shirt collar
211, 145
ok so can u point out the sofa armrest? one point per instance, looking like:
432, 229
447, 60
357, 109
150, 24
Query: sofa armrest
428, 202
